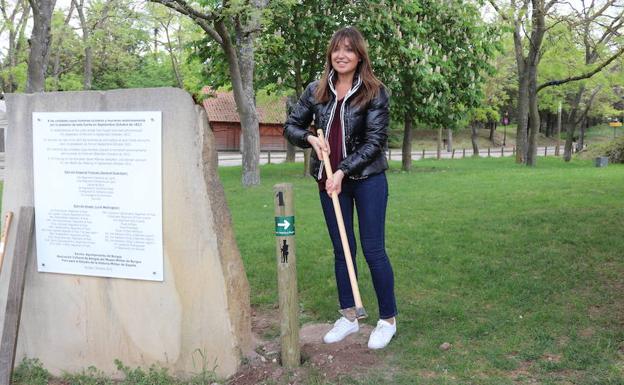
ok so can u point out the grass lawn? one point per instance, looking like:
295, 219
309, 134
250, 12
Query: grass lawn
520, 269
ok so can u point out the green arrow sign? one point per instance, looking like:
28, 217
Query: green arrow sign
285, 225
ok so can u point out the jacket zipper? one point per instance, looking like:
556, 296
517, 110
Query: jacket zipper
331, 117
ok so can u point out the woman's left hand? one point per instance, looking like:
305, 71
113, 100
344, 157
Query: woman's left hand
334, 184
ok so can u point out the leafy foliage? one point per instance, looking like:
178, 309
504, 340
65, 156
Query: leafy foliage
30, 372
614, 150
291, 51
432, 55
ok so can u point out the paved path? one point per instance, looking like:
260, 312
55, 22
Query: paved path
235, 158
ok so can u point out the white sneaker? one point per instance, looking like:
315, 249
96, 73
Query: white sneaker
382, 334
342, 328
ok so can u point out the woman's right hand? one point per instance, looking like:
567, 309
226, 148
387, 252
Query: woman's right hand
319, 145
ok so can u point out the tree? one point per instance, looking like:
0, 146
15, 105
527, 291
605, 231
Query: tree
14, 22
39, 44
597, 29
291, 49
529, 52
63, 54
432, 55
234, 27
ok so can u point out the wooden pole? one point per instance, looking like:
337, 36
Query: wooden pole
502, 152
5, 233
488, 152
287, 274
463, 153
269, 157
545, 150
453, 154
16, 292
389, 154
423, 154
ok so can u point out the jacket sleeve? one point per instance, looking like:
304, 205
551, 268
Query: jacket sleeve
375, 135
296, 126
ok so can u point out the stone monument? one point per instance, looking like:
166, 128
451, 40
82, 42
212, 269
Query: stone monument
197, 316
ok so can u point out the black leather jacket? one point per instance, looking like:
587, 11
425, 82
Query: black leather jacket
365, 130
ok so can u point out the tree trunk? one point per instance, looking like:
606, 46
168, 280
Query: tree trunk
585, 119
56, 62
492, 129
245, 101
567, 151
290, 148
523, 93
306, 162
39, 44
87, 69
174, 60
534, 117
523, 114
538, 18
291, 101
406, 160
473, 138
449, 140
581, 140
558, 131
439, 149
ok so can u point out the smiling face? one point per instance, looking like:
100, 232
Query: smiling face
344, 58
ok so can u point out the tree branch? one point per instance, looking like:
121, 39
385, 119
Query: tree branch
586, 75
498, 10
201, 19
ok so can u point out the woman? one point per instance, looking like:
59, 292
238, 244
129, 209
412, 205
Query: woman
351, 106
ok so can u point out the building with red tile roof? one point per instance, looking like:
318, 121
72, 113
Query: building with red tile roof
225, 121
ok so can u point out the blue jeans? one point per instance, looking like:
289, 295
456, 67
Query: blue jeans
370, 197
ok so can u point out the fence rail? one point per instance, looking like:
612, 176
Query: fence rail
279, 156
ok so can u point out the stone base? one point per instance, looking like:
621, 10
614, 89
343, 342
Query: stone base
198, 317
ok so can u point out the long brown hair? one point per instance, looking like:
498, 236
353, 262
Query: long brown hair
370, 84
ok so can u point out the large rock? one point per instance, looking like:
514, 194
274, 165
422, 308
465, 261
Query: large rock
199, 316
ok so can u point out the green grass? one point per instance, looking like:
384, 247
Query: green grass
602, 133
520, 269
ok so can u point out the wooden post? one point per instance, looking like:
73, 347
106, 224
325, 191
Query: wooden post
463, 153
545, 150
513, 151
423, 154
389, 154
16, 292
502, 152
287, 274
453, 154
488, 152
269, 157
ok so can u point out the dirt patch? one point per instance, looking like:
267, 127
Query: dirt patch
587, 332
555, 358
327, 362
522, 374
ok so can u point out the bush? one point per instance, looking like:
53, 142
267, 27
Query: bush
30, 372
615, 150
